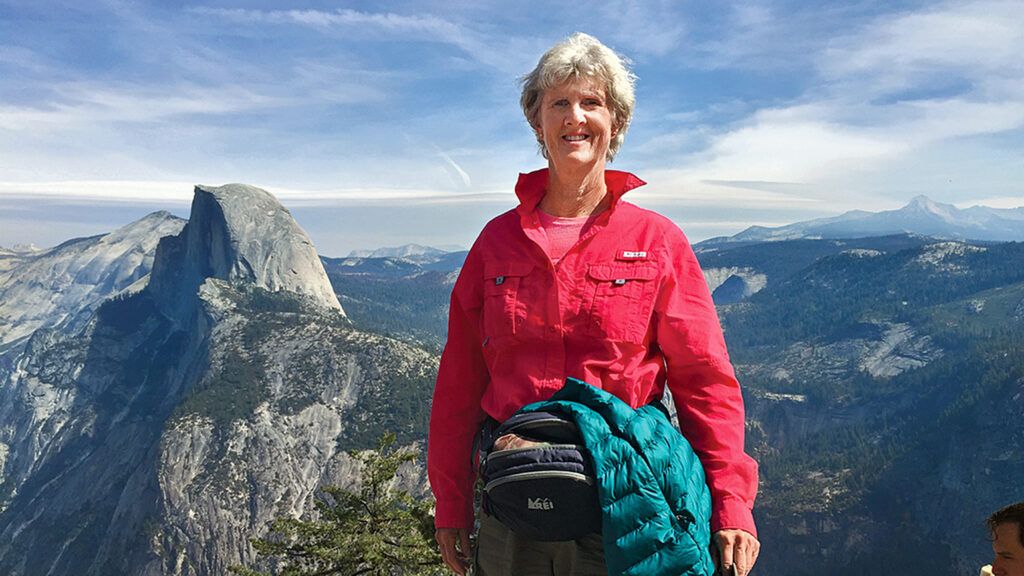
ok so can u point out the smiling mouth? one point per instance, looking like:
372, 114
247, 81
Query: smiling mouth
575, 137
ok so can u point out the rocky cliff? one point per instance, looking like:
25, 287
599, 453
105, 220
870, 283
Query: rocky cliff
238, 233
174, 424
62, 286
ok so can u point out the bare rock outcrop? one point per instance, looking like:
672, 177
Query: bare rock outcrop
238, 233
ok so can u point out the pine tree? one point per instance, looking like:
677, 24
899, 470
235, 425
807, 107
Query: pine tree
372, 530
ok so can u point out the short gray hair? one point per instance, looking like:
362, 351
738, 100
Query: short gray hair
582, 56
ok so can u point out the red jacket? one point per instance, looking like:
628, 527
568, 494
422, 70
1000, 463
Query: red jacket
626, 309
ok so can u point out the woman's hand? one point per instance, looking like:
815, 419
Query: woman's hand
734, 548
454, 545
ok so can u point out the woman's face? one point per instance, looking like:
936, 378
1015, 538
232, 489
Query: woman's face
576, 123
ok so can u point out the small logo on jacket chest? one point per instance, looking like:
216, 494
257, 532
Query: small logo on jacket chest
631, 255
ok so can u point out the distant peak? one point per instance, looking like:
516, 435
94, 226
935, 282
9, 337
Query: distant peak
922, 203
25, 248
403, 251
161, 215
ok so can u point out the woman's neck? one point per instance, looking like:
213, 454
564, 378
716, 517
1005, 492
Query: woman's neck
580, 193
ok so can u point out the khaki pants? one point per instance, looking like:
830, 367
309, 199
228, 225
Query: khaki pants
499, 552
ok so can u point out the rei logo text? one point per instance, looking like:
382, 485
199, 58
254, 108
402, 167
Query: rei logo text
539, 504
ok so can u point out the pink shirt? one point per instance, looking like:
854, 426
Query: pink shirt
562, 233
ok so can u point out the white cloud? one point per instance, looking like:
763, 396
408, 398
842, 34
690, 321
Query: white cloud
172, 192
974, 39
886, 93
342, 17
783, 146
101, 190
460, 177
683, 188
82, 103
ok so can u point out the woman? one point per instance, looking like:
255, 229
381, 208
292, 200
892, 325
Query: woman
577, 282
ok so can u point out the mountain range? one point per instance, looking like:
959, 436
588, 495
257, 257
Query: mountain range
178, 385
921, 216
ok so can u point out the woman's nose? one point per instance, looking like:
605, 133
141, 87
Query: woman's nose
574, 115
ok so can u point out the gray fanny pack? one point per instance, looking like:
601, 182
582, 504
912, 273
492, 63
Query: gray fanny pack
545, 488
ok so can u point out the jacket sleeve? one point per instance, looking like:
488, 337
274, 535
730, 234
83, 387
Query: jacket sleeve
456, 415
704, 388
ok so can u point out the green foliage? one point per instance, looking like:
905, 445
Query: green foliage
232, 394
401, 405
374, 530
239, 385
126, 312
412, 308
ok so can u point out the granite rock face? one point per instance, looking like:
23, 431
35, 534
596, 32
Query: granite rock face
315, 389
238, 233
61, 286
165, 432
733, 284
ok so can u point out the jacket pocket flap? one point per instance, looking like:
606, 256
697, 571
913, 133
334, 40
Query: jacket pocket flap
613, 272
506, 269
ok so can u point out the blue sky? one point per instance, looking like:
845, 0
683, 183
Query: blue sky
383, 123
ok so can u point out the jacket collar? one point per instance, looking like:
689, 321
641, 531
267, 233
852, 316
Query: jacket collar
532, 186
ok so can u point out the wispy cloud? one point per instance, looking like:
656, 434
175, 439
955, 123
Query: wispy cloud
85, 103
765, 37
170, 192
343, 17
655, 28
24, 59
459, 176
506, 55
980, 41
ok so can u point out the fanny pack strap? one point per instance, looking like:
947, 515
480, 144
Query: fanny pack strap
482, 443
485, 438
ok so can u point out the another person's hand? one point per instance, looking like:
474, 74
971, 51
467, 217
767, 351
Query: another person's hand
734, 548
454, 545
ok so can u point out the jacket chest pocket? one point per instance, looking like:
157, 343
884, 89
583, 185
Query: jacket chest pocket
619, 299
503, 311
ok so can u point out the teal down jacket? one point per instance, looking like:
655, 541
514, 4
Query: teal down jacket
656, 507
